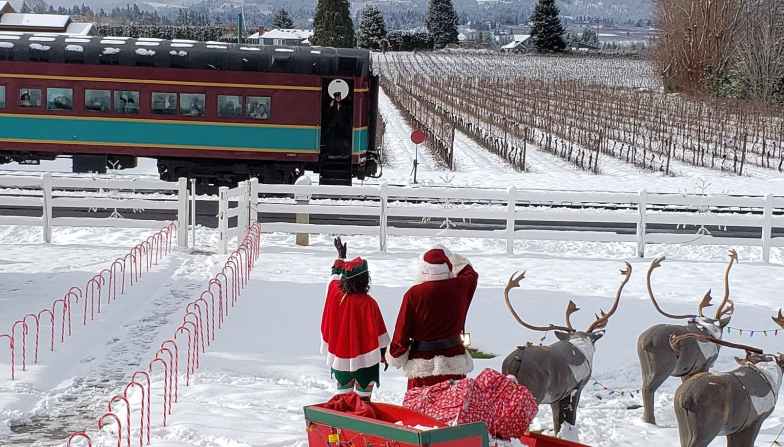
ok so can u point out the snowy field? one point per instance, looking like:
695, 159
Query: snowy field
264, 366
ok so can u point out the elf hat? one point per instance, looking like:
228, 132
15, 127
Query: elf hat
435, 265
354, 268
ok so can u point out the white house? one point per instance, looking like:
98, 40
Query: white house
44, 23
283, 37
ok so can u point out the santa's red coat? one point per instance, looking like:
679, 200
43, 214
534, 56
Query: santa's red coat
435, 310
352, 328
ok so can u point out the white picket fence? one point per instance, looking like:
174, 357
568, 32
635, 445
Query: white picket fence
46, 192
515, 206
246, 196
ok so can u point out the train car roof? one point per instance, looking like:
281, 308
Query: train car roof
178, 53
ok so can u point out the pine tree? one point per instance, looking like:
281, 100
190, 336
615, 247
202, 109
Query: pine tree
547, 31
282, 20
332, 24
26, 8
372, 29
441, 22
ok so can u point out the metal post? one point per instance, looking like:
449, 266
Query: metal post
382, 219
303, 239
46, 215
193, 212
223, 220
182, 213
510, 220
767, 228
642, 223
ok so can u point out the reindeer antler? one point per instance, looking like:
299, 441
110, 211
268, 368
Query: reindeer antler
570, 309
656, 263
514, 282
601, 320
676, 340
779, 319
705, 303
727, 307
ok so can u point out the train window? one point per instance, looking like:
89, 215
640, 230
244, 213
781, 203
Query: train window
2, 97
192, 104
126, 102
164, 103
98, 100
59, 99
257, 107
29, 97
229, 106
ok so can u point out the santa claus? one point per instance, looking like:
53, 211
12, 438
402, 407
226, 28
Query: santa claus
427, 343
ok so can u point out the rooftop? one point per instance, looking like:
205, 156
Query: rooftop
288, 34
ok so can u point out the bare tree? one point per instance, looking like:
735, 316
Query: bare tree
760, 48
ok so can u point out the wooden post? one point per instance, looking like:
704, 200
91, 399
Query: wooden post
382, 218
223, 220
243, 204
253, 203
510, 219
193, 212
303, 239
767, 228
182, 212
642, 223
46, 215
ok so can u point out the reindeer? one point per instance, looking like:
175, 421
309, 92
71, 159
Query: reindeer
659, 361
556, 374
732, 404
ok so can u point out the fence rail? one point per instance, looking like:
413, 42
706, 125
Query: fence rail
515, 208
47, 192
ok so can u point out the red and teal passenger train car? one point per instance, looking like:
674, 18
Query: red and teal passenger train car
213, 111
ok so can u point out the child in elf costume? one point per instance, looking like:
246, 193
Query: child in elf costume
353, 335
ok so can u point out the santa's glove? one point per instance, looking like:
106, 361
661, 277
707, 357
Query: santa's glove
341, 247
386, 365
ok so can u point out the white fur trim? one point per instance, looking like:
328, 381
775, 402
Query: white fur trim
439, 366
434, 272
384, 340
351, 364
397, 362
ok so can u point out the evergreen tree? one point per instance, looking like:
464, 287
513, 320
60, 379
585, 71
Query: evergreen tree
547, 31
441, 22
26, 8
282, 20
589, 37
372, 29
332, 24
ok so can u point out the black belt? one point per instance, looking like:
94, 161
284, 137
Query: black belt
436, 345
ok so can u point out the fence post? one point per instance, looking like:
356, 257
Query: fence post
253, 204
382, 218
46, 215
243, 203
642, 223
182, 213
767, 228
510, 219
223, 221
193, 212
303, 239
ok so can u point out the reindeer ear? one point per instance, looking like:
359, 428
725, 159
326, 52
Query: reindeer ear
725, 321
563, 336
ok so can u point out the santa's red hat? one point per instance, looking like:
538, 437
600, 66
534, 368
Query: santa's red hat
435, 265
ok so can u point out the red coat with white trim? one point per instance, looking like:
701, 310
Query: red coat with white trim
352, 327
435, 310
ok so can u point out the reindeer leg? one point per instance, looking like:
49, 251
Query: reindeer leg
745, 437
655, 371
556, 407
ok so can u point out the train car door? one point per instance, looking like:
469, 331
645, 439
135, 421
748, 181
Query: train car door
337, 131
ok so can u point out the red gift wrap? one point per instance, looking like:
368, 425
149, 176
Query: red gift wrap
506, 407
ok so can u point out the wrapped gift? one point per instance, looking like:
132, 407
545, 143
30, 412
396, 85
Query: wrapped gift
451, 402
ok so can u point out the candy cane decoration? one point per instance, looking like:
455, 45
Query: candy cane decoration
118, 266
119, 426
51, 320
149, 398
141, 415
188, 362
81, 435
119, 398
71, 294
24, 341
165, 347
131, 271
212, 312
166, 403
195, 357
37, 333
224, 286
10, 350
215, 282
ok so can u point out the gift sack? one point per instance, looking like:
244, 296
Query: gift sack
450, 402
511, 407
350, 403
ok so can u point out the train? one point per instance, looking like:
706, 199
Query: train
214, 111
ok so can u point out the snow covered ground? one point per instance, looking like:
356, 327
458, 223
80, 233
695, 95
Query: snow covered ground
264, 366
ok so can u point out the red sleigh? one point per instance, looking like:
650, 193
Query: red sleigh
395, 426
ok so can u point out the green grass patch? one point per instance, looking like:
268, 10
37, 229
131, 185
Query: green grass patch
477, 354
